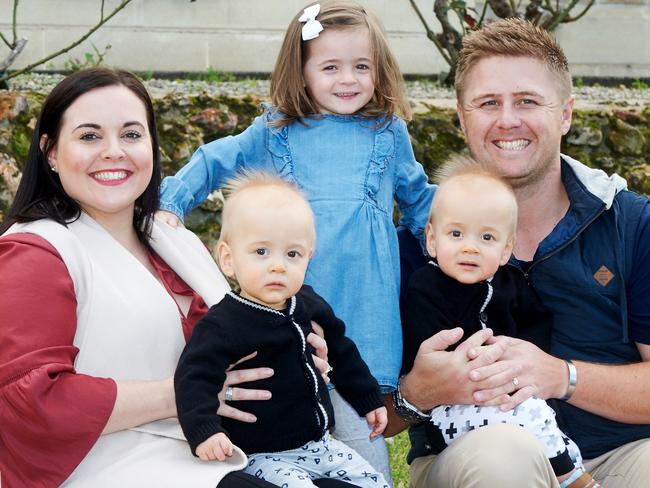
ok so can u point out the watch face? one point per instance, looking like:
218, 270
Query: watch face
406, 411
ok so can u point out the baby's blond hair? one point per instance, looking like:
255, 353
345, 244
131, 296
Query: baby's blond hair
459, 166
246, 180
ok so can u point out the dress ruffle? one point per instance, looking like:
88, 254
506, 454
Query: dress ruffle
383, 152
278, 145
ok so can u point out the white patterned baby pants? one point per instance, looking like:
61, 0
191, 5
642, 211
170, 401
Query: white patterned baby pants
325, 458
534, 415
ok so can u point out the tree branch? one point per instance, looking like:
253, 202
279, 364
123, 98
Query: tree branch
6, 41
13, 23
501, 8
101, 22
479, 23
559, 18
13, 54
585, 10
430, 34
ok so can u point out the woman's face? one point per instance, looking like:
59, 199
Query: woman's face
103, 154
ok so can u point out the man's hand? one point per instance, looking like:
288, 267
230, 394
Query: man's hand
537, 373
443, 377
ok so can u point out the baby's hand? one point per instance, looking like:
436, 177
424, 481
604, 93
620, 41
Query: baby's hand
217, 447
377, 419
169, 218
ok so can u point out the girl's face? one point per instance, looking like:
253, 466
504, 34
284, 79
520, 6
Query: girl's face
103, 154
338, 72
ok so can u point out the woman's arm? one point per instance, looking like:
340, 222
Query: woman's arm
50, 415
140, 402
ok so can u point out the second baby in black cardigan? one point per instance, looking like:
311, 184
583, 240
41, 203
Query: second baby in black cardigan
266, 242
469, 283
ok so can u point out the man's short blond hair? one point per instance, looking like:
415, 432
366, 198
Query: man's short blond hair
512, 37
459, 166
247, 180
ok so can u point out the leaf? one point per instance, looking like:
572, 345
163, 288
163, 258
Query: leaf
470, 21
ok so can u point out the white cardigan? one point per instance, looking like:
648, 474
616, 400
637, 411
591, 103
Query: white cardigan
128, 327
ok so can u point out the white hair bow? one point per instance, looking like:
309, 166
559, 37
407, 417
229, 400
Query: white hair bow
312, 27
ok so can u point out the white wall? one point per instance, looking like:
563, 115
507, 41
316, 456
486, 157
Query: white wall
613, 39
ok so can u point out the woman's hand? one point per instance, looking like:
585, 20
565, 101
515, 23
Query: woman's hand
237, 378
317, 340
169, 218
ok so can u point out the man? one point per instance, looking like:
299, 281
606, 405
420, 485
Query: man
583, 242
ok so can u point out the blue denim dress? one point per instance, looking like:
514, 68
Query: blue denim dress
352, 170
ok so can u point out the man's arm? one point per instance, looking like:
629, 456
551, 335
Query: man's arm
618, 392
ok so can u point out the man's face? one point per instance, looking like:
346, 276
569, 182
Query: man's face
514, 116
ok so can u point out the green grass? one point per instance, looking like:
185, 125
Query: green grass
398, 448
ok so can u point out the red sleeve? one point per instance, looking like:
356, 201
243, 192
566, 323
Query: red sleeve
50, 416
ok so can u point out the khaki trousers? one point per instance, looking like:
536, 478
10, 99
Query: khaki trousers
507, 456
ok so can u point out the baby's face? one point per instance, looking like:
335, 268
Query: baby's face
269, 249
471, 232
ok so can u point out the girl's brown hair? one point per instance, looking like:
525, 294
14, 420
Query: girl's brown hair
288, 92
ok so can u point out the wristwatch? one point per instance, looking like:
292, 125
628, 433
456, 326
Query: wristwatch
405, 410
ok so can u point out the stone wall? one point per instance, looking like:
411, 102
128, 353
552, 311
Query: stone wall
615, 140
611, 40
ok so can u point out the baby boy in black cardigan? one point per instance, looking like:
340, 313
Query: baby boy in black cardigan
469, 283
266, 241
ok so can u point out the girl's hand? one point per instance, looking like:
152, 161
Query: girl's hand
169, 218
216, 447
317, 340
377, 419
236, 378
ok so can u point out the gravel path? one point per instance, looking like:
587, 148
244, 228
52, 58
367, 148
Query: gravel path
419, 91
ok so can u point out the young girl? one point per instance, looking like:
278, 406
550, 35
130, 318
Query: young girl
332, 129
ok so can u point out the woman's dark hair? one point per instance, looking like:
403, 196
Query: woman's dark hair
40, 193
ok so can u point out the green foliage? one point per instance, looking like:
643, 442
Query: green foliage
398, 448
90, 60
212, 76
578, 82
639, 85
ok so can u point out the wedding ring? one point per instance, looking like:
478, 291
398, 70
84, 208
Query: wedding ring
515, 382
228, 394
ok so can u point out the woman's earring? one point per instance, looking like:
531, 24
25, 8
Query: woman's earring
53, 168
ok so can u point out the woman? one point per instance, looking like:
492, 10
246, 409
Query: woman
97, 301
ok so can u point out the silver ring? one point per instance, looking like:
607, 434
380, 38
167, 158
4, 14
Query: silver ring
515, 382
228, 394
330, 368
